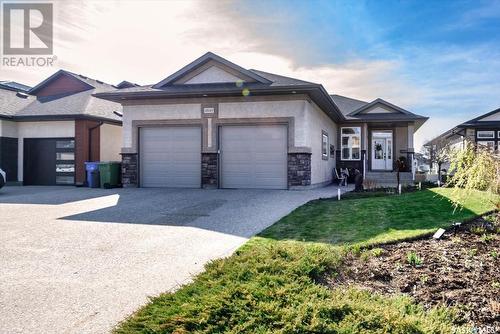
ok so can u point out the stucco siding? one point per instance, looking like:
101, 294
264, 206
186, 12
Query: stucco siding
379, 110
317, 122
155, 112
8, 129
110, 142
262, 109
400, 141
56, 129
213, 75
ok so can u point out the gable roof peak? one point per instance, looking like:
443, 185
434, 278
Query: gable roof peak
89, 82
204, 59
380, 101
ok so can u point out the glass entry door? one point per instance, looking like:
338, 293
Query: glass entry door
382, 151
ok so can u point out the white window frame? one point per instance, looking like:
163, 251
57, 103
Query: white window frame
498, 134
350, 136
486, 142
326, 146
490, 134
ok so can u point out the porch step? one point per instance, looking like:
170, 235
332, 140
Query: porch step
383, 179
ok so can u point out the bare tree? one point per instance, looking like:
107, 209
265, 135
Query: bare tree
438, 152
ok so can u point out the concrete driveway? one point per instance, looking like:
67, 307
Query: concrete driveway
79, 260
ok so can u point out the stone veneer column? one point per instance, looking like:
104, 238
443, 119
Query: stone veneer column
299, 169
209, 156
209, 170
129, 170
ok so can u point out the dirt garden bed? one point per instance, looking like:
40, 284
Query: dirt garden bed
462, 269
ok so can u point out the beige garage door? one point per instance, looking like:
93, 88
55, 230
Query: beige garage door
170, 157
254, 157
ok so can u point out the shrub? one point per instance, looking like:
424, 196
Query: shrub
475, 168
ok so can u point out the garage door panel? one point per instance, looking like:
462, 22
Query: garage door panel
170, 157
48, 161
254, 157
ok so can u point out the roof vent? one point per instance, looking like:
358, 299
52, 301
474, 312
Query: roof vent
22, 95
99, 81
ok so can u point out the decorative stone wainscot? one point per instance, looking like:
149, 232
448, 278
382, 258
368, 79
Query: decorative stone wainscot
299, 169
129, 170
209, 168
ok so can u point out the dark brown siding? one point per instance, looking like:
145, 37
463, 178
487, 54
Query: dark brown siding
84, 136
63, 84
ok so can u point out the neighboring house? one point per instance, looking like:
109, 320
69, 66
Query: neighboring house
483, 130
53, 129
216, 124
11, 100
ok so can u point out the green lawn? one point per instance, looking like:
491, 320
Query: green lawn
377, 219
271, 284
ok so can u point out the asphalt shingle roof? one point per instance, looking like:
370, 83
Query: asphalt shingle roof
11, 102
73, 104
339, 107
346, 104
280, 80
276, 81
82, 103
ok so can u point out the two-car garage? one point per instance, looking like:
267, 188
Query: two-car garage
250, 156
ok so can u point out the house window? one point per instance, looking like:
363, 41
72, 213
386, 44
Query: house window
65, 143
65, 155
490, 144
351, 143
65, 179
65, 168
486, 134
324, 145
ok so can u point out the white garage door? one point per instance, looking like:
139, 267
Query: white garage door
254, 157
170, 157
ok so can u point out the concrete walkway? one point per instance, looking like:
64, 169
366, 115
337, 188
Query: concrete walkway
79, 260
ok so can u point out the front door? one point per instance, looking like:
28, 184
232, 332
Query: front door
382, 151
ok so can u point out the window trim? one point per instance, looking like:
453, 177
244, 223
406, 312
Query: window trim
492, 132
325, 148
479, 142
350, 147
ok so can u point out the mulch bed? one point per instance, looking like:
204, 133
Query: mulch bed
462, 269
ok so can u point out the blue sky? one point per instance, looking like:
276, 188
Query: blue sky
436, 58
447, 50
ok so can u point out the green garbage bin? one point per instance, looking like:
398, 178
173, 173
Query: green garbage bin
110, 174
